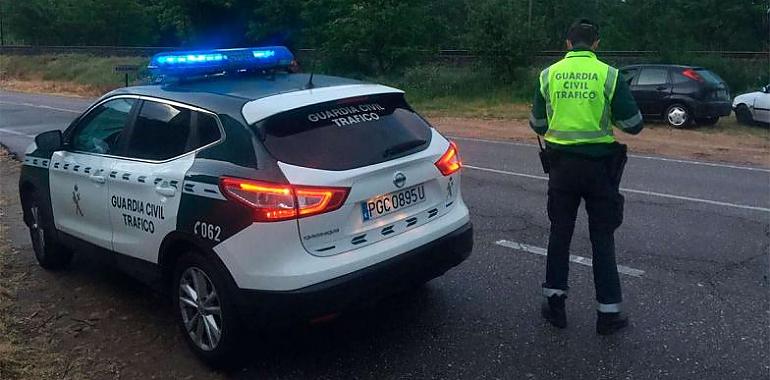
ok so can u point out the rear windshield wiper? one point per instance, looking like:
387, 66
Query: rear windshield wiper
403, 147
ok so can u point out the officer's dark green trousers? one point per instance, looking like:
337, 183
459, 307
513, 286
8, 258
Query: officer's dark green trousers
573, 178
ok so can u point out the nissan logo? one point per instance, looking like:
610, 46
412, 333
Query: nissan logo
399, 180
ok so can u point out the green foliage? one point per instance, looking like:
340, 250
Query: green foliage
356, 36
388, 36
400, 38
204, 23
500, 34
79, 22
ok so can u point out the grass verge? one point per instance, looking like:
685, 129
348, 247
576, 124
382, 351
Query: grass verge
71, 74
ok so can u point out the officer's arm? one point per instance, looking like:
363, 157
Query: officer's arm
625, 112
538, 119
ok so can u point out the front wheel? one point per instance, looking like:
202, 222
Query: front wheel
678, 116
50, 254
707, 120
205, 309
743, 115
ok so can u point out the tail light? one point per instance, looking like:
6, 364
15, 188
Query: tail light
274, 202
692, 74
450, 161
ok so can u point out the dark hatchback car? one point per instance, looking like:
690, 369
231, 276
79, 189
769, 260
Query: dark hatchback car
680, 95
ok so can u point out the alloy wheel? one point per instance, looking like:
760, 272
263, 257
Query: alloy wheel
201, 309
37, 232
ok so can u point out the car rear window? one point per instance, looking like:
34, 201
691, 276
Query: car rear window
709, 76
346, 134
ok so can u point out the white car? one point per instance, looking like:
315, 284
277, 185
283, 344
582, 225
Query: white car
753, 107
257, 196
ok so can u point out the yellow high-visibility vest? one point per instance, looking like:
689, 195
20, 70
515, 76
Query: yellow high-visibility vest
578, 91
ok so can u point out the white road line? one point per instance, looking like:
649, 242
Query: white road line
634, 191
493, 141
11, 132
688, 162
575, 259
748, 168
40, 106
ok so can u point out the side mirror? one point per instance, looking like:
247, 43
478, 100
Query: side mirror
49, 141
766, 89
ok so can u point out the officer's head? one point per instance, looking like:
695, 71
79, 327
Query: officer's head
583, 34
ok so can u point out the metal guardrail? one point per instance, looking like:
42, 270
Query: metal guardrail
146, 51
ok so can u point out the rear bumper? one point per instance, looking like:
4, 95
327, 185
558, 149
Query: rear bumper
713, 109
363, 286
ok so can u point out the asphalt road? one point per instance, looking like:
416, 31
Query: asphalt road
694, 247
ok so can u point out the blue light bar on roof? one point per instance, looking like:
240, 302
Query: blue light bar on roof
201, 62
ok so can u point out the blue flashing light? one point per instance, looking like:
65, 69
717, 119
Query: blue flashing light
263, 53
190, 63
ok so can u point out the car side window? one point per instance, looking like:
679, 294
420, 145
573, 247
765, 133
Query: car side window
652, 77
160, 131
101, 129
163, 131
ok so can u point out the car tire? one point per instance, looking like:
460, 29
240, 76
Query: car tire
50, 254
678, 116
743, 115
210, 324
707, 121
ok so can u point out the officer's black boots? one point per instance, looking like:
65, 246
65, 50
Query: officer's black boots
609, 323
554, 310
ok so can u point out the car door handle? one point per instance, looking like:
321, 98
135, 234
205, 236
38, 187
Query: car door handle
98, 179
165, 190
661, 88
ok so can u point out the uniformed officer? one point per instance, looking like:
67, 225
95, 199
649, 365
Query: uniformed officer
577, 101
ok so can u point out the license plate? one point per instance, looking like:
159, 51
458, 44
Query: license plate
385, 204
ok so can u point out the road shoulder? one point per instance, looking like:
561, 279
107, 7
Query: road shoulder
751, 148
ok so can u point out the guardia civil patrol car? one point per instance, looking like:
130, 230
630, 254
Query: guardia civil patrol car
257, 194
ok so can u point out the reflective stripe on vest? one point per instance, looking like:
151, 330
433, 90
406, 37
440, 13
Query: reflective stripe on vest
578, 92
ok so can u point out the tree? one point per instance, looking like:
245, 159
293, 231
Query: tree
499, 32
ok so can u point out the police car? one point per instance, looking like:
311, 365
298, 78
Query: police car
256, 195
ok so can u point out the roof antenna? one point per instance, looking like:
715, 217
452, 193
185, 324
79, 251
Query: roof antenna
310, 85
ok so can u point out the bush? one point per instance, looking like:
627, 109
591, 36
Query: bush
498, 31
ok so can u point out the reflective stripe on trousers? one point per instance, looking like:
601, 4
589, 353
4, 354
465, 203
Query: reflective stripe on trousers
608, 307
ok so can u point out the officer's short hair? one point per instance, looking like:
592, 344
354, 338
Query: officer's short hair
583, 32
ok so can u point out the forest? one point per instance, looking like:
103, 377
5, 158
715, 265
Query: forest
377, 38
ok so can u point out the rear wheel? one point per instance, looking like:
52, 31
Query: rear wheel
707, 120
50, 254
678, 116
743, 115
205, 309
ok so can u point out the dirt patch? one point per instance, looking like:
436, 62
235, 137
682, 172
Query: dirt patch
740, 148
88, 322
